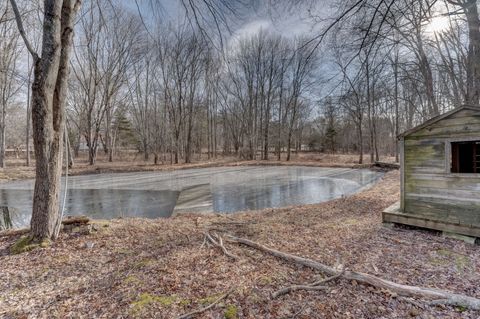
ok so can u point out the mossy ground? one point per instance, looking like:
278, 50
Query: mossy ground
26, 243
146, 300
231, 312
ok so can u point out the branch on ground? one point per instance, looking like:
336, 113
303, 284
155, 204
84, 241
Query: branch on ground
198, 311
313, 286
217, 241
433, 296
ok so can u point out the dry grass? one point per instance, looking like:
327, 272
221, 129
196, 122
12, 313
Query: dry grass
157, 268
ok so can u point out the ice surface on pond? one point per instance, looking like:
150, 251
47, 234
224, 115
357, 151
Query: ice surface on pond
219, 189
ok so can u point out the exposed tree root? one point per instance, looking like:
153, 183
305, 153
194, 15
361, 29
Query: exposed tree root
198, 311
434, 296
217, 241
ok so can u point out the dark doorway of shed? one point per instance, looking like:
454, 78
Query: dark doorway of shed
466, 157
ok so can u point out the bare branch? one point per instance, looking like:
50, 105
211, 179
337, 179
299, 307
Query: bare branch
18, 19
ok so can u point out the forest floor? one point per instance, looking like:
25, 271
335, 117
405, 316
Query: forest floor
160, 269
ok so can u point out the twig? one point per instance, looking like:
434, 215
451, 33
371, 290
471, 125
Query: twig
411, 301
328, 279
310, 287
289, 289
196, 312
218, 242
295, 315
204, 242
184, 234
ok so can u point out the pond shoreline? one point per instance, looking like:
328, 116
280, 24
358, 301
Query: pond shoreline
226, 189
162, 265
22, 172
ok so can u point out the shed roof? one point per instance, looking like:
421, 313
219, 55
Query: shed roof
438, 118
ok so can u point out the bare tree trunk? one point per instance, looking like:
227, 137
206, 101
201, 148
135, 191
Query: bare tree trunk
395, 74
289, 144
473, 59
27, 132
369, 110
92, 155
145, 150
360, 142
2, 137
374, 123
48, 110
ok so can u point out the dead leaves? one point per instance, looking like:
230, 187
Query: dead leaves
163, 258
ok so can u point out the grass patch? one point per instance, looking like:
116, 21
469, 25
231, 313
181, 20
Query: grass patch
231, 312
146, 300
446, 256
131, 279
210, 299
142, 263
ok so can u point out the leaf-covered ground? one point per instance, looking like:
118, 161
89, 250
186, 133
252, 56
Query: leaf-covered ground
159, 269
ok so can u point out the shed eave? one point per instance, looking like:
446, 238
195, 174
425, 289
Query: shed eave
437, 119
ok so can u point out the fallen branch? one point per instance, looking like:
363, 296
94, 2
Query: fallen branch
313, 286
76, 220
438, 296
387, 165
71, 220
289, 289
218, 242
198, 311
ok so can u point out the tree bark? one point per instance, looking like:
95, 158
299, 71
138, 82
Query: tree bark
473, 58
2, 137
49, 90
28, 128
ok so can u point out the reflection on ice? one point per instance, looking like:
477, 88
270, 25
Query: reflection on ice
159, 194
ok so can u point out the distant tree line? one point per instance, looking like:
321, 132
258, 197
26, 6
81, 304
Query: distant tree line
167, 91
180, 93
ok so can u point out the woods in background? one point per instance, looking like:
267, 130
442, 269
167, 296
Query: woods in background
168, 92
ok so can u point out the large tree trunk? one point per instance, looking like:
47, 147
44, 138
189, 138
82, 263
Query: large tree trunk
473, 59
48, 111
360, 141
395, 74
27, 133
289, 145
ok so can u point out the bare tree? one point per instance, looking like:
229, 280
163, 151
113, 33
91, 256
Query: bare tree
48, 110
10, 83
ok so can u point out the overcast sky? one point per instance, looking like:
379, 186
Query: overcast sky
248, 20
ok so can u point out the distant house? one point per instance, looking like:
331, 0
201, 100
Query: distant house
440, 174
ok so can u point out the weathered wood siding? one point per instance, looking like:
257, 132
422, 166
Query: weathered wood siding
430, 190
462, 123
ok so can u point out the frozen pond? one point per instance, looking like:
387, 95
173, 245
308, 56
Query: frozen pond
161, 194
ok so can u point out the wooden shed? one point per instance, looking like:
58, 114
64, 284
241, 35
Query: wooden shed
440, 174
